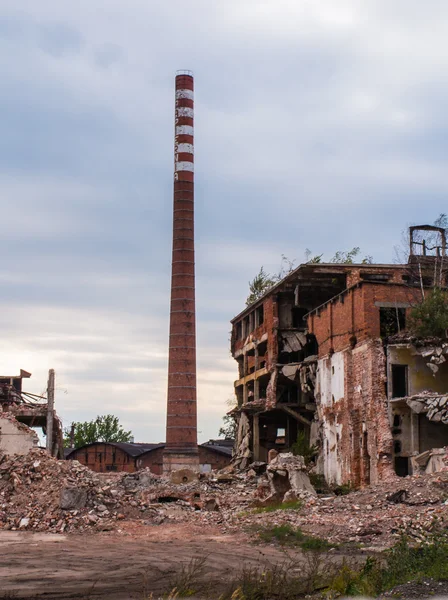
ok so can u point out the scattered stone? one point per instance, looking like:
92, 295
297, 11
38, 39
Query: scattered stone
72, 498
183, 476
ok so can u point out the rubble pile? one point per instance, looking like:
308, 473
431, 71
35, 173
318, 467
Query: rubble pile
434, 405
42, 493
435, 353
373, 517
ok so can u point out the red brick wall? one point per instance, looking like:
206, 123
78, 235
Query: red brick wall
353, 314
99, 457
215, 459
269, 326
364, 442
152, 460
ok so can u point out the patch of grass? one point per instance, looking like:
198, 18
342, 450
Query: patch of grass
343, 490
189, 580
288, 535
319, 484
401, 564
291, 505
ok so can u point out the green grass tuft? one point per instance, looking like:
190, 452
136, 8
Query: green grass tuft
288, 535
291, 505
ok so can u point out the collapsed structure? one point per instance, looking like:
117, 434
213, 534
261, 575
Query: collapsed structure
325, 352
21, 411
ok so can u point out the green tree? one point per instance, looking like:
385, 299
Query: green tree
228, 428
259, 285
105, 428
430, 317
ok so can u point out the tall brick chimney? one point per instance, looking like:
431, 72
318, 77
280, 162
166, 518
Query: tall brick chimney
181, 450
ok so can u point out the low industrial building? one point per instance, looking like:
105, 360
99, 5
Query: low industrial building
105, 457
326, 352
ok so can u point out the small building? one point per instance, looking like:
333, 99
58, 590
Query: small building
325, 353
104, 457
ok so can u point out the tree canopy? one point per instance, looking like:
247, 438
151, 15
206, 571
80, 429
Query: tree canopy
105, 428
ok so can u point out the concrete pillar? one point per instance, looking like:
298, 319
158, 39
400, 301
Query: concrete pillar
50, 411
256, 436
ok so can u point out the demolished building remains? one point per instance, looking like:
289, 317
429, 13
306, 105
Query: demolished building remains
22, 411
325, 352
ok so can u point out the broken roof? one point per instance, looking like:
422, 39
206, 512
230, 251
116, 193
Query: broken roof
310, 271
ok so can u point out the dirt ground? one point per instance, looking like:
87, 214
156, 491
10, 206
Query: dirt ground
119, 565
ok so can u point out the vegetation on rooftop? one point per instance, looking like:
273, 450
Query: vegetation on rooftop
264, 281
430, 317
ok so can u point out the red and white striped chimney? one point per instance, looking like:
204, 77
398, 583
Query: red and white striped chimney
181, 450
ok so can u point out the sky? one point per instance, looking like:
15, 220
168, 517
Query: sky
319, 125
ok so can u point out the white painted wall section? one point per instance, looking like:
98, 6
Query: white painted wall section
330, 384
16, 438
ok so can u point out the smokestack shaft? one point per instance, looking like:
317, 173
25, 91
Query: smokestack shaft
181, 428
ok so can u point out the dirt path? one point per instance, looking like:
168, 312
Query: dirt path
118, 566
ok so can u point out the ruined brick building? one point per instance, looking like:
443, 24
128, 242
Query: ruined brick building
325, 351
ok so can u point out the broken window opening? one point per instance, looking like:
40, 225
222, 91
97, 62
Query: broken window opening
246, 327
298, 314
239, 330
259, 316
312, 347
392, 321
399, 381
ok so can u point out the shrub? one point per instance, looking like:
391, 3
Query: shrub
430, 317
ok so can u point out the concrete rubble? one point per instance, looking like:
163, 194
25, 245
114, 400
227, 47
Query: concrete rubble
288, 478
434, 406
41, 493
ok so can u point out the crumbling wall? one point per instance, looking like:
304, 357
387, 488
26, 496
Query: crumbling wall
15, 437
353, 411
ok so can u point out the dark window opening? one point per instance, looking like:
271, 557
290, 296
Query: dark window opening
401, 466
399, 381
375, 276
246, 327
297, 317
286, 358
100, 457
392, 321
397, 420
239, 330
259, 316
312, 347
397, 447
111, 468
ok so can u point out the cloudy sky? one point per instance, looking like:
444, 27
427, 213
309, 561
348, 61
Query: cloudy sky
319, 124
